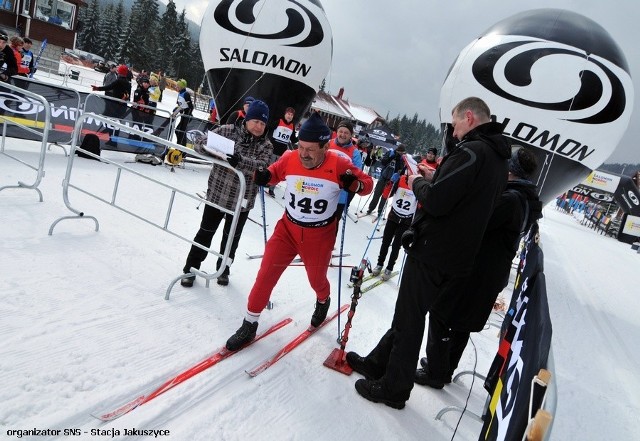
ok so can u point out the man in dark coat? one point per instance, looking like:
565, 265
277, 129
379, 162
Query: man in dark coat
393, 164
466, 306
455, 205
8, 63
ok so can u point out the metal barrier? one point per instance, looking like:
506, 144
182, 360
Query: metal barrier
96, 101
63, 101
25, 98
120, 169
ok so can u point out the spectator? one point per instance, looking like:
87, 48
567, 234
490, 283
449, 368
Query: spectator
343, 143
252, 150
110, 77
282, 136
393, 163
431, 159
8, 64
27, 56
162, 83
442, 244
121, 88
469, 302
16, 45
185, 108
308, 233
238, 116
154, 91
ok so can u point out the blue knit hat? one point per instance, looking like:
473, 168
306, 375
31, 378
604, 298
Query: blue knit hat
257, 110
248, 100
314, 130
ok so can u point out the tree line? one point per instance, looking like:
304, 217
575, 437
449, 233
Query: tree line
142, 38
416, 134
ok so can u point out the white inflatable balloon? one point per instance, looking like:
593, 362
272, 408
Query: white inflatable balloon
560, 85
278, 51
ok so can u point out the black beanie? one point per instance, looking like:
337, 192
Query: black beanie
347, 125
314, 129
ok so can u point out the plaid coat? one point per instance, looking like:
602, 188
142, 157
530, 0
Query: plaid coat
223, 183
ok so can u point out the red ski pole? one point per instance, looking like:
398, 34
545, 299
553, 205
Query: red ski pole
336, 360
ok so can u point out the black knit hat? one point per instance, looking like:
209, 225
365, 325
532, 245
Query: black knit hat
314, 129
432, 150
346, 124
522, 163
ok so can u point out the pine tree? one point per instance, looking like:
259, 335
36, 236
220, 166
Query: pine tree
181, 51
168, 24
111, 26
88, 38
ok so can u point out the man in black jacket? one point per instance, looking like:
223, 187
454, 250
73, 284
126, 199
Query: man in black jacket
8, 63
393, 163
468, 303
455, 205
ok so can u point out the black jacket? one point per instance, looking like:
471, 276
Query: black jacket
467, 303
8, 63
456, 206
120, 88
392, 162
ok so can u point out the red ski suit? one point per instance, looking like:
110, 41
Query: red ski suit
307, 227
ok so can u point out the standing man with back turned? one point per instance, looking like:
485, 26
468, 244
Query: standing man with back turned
456, 203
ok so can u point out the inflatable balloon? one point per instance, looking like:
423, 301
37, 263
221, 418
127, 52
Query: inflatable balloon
278, 51
560, 85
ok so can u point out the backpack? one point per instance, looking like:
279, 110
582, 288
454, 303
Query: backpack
532, 209
90, 143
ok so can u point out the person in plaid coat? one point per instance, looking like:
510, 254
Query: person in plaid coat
252, 150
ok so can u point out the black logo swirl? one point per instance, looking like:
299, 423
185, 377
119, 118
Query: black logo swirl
519, 64
296, 27
20, 105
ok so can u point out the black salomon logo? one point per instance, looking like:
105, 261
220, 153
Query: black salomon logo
600, 96
303, 27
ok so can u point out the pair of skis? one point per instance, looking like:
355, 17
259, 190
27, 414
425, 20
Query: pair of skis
223, 353
376, 283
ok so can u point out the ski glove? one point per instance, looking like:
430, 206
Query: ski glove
234, 159
350, 182
262, 176
395, 177
94, 87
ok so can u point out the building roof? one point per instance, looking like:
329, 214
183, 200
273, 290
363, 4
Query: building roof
326, 103
338, 106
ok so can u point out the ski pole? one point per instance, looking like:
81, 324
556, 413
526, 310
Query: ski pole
264, 229
344, 227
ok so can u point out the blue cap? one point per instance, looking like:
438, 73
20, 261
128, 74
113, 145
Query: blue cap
257, 110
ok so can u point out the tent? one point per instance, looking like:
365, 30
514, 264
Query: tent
381, 136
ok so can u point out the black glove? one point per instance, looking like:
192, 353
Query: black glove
407, 238
262, 176
234, 159
350, 182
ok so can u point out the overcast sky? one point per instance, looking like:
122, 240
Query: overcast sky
393, 56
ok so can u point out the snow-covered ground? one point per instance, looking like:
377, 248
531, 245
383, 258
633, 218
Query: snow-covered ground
84, 324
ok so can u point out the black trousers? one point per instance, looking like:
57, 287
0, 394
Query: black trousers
444, 348
397, 352
377, 193
211, 218
181, 130
392, 236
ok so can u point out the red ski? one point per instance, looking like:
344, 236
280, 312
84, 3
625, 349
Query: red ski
292, 344
154, 391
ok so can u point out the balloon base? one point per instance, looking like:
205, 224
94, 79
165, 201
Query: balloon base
336, 361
